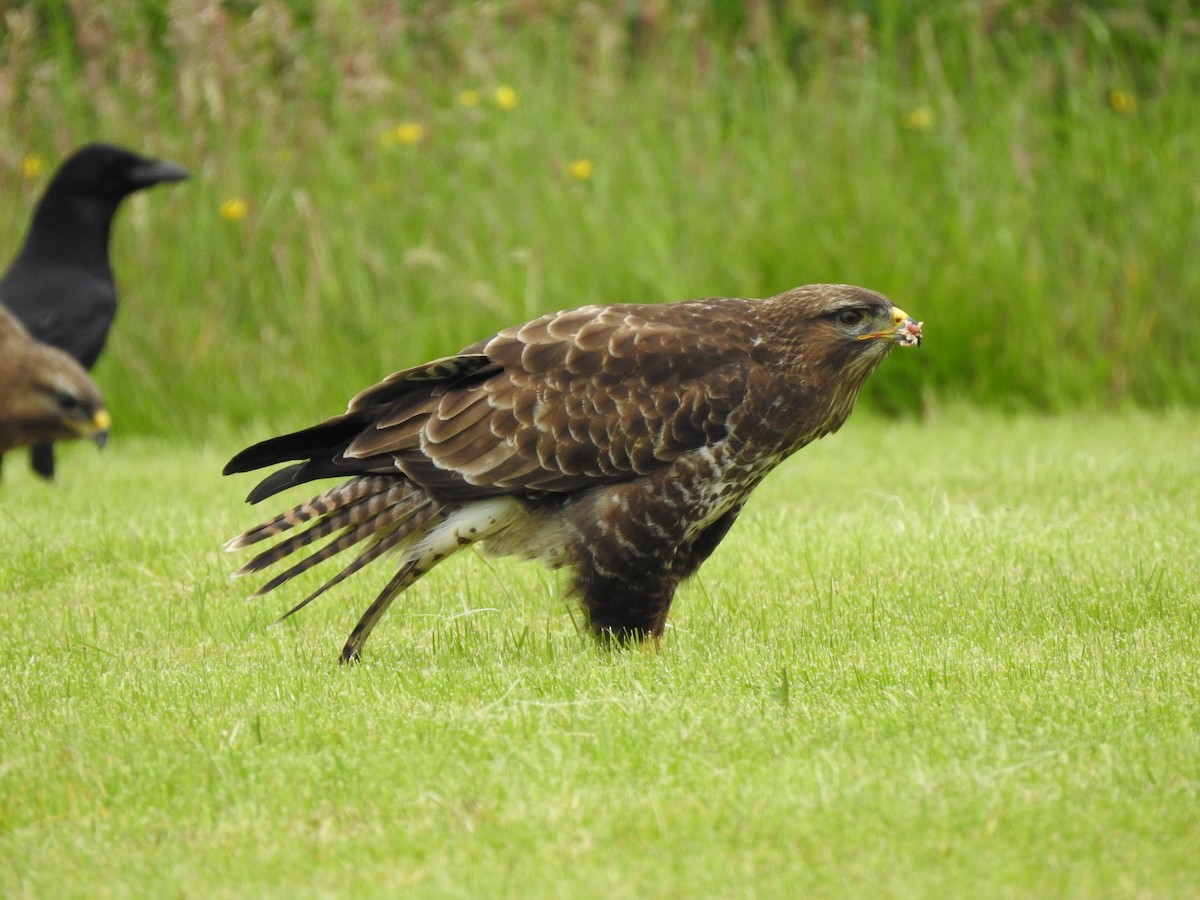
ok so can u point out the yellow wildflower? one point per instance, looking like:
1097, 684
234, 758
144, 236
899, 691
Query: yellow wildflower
234, 209
468, 97
1122, 102
919, 119
406, 133
581, 169
32, 166
506, 97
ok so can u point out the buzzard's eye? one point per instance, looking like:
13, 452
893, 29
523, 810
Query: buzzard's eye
850, 316
67, 402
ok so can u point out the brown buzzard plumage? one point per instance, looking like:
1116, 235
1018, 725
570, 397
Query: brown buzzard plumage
45, 395
620, 441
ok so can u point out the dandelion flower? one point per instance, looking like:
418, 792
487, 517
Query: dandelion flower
919, 119
234, 209
32, 166
581, 169
506, 97
1122, 102
406, 133
468, 98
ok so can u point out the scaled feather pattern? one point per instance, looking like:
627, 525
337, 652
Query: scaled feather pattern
618, 441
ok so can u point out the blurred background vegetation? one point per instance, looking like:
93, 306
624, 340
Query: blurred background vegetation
379, 183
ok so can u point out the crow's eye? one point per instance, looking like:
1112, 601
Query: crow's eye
850, 316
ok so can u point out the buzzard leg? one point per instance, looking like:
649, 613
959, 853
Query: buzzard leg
689, 558
624, 611
627, 603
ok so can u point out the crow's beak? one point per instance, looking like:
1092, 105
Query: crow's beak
156, 171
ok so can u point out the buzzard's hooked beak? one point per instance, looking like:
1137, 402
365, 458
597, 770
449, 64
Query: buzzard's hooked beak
98, 427
906, 332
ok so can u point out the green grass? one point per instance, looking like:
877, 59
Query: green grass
952, 658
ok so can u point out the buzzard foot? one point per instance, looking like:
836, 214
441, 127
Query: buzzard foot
627, 622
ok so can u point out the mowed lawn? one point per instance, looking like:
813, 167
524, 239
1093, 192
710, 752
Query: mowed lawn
944, 658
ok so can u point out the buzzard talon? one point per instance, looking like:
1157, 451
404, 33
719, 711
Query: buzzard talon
618, 441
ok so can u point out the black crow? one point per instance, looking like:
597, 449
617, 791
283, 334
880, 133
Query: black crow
60, 286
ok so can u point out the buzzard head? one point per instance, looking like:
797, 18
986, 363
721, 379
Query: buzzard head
831, 338
58, 405
45, 395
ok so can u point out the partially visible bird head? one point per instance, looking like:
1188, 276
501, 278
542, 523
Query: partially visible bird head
62, 406
45, 395
111, 172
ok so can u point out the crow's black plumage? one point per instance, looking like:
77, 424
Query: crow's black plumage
60, 285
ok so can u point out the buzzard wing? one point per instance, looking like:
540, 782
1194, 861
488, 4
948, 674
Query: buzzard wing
593, 395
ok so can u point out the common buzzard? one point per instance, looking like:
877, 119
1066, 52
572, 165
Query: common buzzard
44, 394
619, 441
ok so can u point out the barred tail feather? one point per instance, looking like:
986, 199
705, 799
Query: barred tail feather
379, 546
357, 522
455, 529
391, 527
338, 497
389, 514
